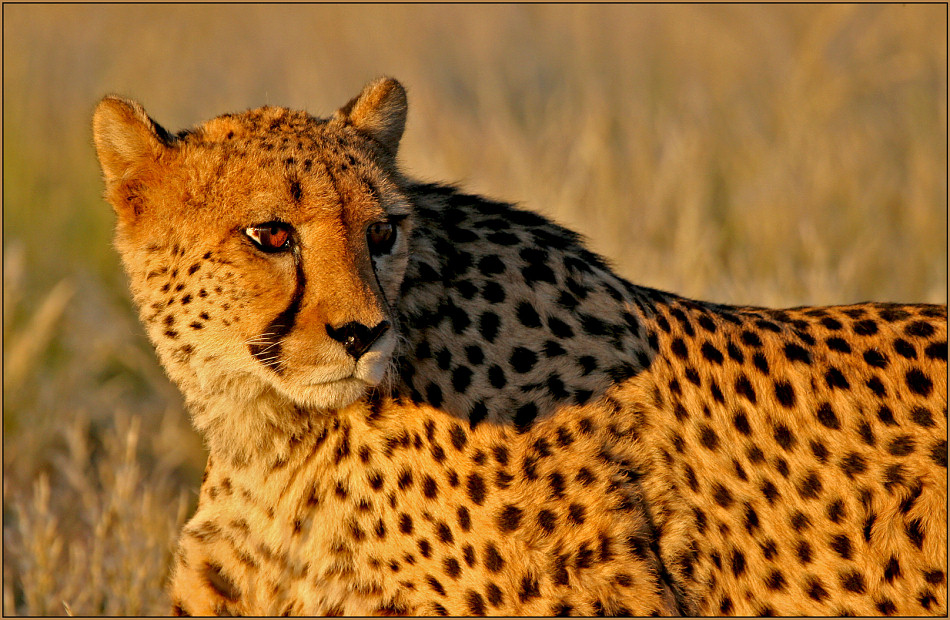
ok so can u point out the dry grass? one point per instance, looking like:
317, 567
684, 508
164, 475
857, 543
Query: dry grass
747, 154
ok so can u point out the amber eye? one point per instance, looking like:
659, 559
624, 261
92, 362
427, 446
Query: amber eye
380, 237
270, 236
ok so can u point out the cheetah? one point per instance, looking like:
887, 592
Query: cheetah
419, 401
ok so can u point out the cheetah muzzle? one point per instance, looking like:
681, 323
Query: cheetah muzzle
420, 401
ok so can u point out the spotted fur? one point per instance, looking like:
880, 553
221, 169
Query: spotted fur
483, 419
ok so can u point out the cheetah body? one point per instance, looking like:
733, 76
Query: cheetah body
532, 435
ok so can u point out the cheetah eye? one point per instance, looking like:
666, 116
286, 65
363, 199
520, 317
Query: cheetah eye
380, 237
270, 236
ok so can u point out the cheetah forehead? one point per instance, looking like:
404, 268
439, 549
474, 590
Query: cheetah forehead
266, 121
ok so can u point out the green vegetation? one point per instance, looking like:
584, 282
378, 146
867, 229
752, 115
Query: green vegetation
769, 155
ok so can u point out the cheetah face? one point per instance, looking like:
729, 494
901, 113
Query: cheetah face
266, 249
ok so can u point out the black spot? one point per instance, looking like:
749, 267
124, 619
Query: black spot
425, 548
875, 358
915, 533
841, 545
775, 580
477, 413
584, 556
886, 416
523, 360
546, 519
918, 382
527, 315
575, 514
474, 354
461, 378
751, 518
738, 562
927, 599
458, 437
722, 496
853, 464
781, 465
901, 446
744, 388
867, 327
493, 292
496, 376
866, 433
921, 329
678, 347
785, 394
934, 577
725, 606
452, 568
835, 511
769, 491
868, 524
937, 350
827, 417
434, 394
524, 417
797, 353
509, 519
852, 581
491, 265
905, 349
476, 606
741, 422
494, 594
783, 435
835, 379
838, 344
892, 570
435, 585
692, 376
711, 353
493, 560
938, 453
874, 384
429, 487
735, 353
529, 589
886, 607
803, 551
815, 589
810, 486
819, 450
488, 326
830, 323
755, 455
476, 489
444, 533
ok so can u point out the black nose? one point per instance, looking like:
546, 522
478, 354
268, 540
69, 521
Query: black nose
355, 337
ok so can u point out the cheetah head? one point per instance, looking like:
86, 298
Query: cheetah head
265, 250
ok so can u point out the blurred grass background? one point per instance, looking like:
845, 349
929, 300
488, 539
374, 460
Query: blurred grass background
769, 155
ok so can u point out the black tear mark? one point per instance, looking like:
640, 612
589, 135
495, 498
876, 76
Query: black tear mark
220, 583
266, 349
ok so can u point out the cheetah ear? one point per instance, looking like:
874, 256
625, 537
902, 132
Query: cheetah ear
126, 139
379, 112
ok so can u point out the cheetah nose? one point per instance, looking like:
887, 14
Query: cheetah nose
355, 337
